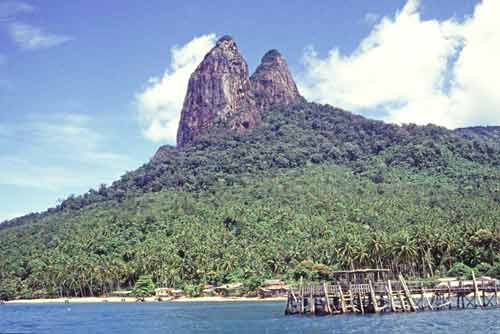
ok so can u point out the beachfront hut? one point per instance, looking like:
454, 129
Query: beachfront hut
208, 290
273, 288
168, 293
227, 290
120, 293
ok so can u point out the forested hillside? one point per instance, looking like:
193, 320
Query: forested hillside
291, 137
490, 134
311, 189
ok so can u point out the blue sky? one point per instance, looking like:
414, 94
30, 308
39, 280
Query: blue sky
90, 89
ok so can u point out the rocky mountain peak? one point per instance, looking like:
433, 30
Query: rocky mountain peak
225, 39
272, 56
219, 89
272, 82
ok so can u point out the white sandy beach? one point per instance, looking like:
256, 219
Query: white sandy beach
87, 300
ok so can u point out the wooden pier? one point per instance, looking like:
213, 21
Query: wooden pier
362, 295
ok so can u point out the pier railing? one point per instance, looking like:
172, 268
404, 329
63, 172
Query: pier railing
391, 296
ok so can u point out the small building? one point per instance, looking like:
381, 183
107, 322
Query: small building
120, 293
208, 290
227, 290
168, 293
273, 288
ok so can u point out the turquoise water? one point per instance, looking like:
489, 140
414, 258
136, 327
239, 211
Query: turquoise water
263, 317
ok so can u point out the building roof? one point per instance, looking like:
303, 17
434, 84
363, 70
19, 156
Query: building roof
230, 286
164, 289
360, 271
273, 282
121, 292
275, 287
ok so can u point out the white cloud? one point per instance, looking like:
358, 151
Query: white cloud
10, 8
415, 70
475, 97
29, 37
160, 103
72, 137
55, 151
26, 173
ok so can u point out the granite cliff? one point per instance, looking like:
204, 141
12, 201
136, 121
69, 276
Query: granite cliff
272, 83
220, 89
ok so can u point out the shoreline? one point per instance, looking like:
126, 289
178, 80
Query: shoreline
125, 300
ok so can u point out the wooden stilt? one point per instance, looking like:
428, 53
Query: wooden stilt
402, 301
424, 293
391, 296
449, 295
496, 293
373, 297
327, 300
422, 306
312, 303
462, 293
362, 307
477, 302
351, 300
484, 293
293, 296
412, 305
368, 296
342, 300
302, 307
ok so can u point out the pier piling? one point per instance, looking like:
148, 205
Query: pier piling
383, 296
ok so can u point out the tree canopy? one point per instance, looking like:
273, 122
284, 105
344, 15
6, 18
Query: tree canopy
313, 189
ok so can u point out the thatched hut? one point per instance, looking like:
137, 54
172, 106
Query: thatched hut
120, 293
273, 288
168, 293
227, 290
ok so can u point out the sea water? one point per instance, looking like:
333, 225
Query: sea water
231, 317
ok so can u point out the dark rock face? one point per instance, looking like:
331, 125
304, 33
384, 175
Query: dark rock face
272, 83
219, 89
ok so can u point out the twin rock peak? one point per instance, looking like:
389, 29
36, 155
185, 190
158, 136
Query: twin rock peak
220, 89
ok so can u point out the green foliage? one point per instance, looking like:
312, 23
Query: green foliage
144, 286
192, 290
293, 137
494, 271
253, 283
460, 269
8, 289
313, 189
326, 214
311, 271
483, 269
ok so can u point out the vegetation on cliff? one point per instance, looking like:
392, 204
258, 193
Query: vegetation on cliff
311, 189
